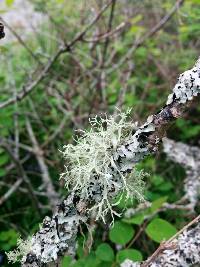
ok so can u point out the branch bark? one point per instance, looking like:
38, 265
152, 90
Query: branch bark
184, 250
189, 158
58, 233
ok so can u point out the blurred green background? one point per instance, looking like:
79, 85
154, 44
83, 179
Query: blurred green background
104, 69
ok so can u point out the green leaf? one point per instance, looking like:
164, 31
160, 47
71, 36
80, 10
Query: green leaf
104, 264
157, 180
121, 233
79, 263
131, 254
137, 219
80, 250
66, 261
160, 230
2, 172
8, 239
104, 252
92, 260
156, 204
166, 186
4, 158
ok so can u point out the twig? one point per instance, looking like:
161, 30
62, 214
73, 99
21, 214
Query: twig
149, 34
21, 41
169, 244
107, 34
109, 29
51, 193
10, 191
24, 177
27, 89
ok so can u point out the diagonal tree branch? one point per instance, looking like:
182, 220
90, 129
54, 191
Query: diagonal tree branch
181, 250
58, 233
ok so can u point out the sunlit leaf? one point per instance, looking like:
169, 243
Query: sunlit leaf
160, 230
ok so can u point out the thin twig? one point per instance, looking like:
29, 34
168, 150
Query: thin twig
21, 41
24, 177
169, 244
14, 187
148, 35
51, 193
26, 89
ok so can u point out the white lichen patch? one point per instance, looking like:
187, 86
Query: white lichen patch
187, 87
23, 247
189, 158
91, 170
183, 251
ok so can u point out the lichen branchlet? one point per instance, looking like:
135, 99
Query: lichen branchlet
23, 248
90, 168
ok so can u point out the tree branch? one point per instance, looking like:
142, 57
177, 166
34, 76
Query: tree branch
189, 158
50, 190
181, 250
58, 233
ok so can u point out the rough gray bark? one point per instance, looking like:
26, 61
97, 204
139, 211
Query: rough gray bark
189, 158
58, 233
183, 252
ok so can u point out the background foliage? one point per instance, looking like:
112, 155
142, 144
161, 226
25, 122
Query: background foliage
94, 77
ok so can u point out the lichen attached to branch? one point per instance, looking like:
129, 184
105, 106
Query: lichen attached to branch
183, 251
189, 158
102, 171
90, 168
187, 87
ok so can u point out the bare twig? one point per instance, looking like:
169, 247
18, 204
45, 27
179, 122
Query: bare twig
27, 89
24, 176
149, 34
169, 244
21, 41
51, 193
10, 191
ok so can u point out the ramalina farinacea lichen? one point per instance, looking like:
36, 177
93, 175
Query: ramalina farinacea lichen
23, 247
90, 169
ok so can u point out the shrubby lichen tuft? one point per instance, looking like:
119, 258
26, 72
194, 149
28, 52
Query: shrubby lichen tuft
90, 169
23, 248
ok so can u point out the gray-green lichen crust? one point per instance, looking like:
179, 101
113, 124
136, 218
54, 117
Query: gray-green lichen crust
187, 87
56, 235
184, 252
137, 147
189, 158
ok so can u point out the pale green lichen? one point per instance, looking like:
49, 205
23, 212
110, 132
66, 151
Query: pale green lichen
23, 248
92, 156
